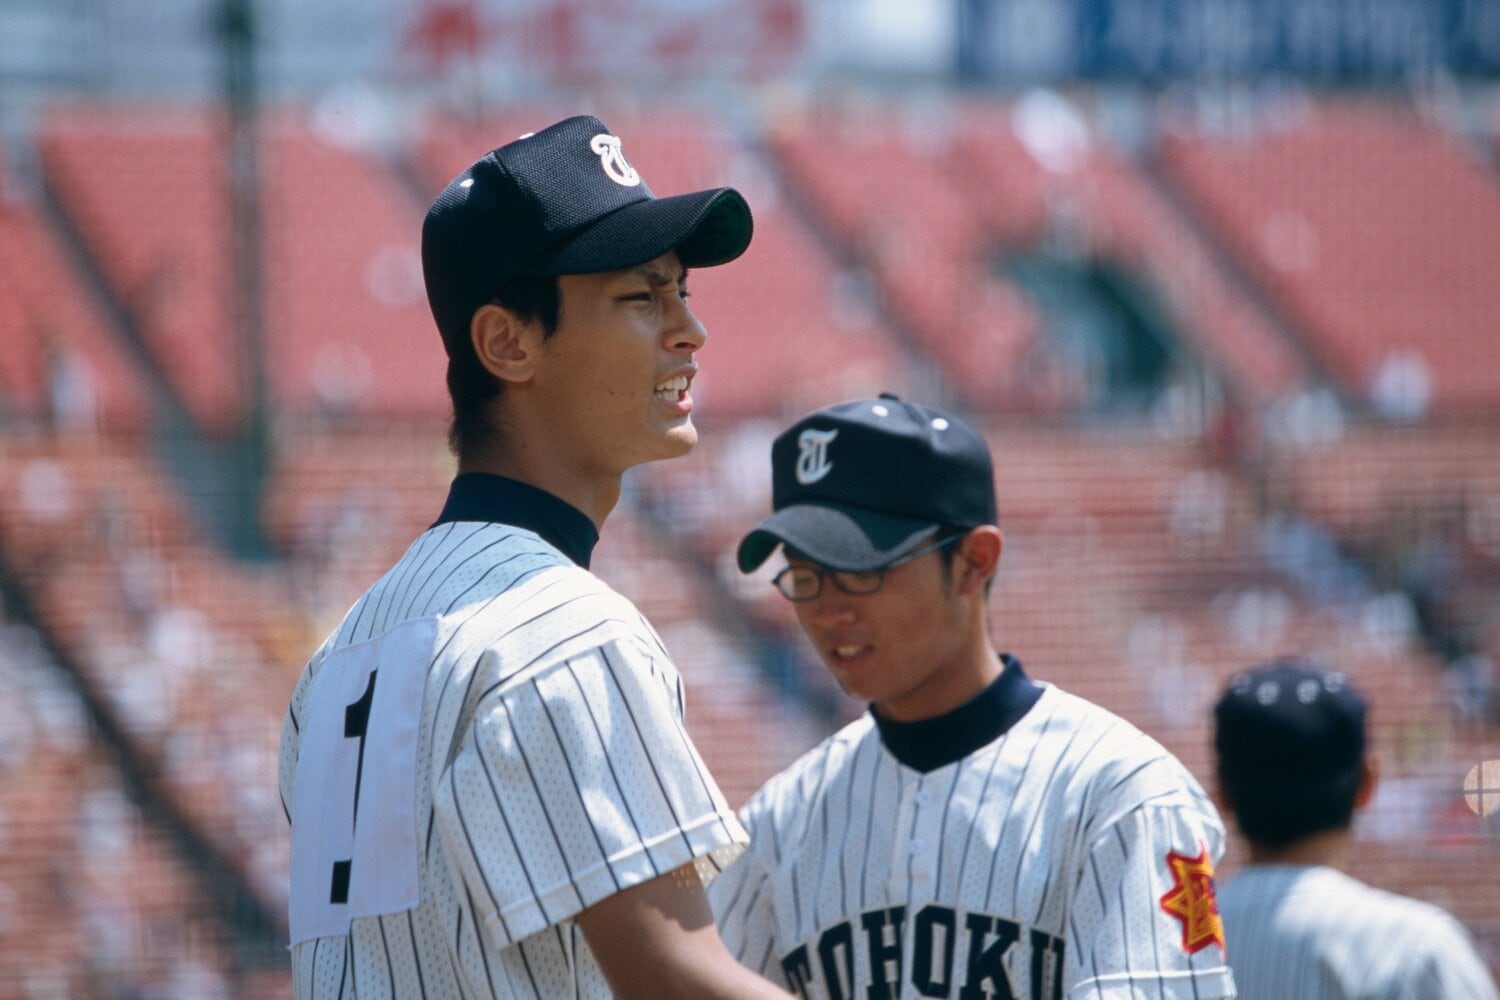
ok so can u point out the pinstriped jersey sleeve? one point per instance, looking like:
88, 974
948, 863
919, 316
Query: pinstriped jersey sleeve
1143, 920
1297, 929
1444, 962
741, 899
576, 780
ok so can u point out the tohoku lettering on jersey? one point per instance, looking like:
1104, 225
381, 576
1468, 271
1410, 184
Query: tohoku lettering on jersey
935, 934
498, 737
1040, 866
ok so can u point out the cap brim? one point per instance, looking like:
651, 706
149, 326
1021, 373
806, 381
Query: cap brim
836, 536
706, 228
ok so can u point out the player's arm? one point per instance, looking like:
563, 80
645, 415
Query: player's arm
657, 940
1143, 904
1447, 964
741, 901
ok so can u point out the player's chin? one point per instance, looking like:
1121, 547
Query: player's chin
848, 673
854, 689
679, 439
667, 444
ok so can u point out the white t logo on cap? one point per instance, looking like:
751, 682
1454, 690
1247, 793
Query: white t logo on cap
812, 460
612, 157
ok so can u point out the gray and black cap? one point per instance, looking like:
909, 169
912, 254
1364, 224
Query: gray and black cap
858, 485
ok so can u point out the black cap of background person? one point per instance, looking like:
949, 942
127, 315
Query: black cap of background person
1287, 721
562, 201
857, 485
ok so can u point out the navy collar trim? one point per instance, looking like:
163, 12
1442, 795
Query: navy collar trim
928, 744
481, 496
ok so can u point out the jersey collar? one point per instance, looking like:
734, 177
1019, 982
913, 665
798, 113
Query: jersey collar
481, 496
928, 744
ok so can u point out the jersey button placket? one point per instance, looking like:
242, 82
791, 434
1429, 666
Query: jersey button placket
907, 818
924, 836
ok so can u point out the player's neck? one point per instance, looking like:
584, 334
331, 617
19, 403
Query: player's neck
960, 679
594, 495
1326, 847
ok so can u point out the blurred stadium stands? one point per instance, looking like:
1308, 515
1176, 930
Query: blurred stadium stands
1314, 467
1334, 208
144, 191
61, 360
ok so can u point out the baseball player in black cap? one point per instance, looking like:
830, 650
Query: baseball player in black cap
490, 789
1293, 768
976, 833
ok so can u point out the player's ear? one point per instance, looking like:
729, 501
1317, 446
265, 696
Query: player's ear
1369, 779
979, 554
505, 343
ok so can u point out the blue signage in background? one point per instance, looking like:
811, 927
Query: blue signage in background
1333, 41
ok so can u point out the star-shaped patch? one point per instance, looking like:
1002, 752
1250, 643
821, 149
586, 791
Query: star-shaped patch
1192, 900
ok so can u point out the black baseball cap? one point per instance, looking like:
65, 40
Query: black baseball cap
858, 485
1289, 720
562, 201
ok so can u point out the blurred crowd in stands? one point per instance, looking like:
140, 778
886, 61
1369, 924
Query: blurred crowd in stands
1237, 379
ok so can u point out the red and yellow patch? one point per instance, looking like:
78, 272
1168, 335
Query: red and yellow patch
1192, 901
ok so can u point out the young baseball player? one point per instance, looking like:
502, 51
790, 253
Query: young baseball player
490, 789
976, 834
1293, 768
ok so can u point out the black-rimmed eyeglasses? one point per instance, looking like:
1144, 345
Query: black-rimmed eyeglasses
803, 583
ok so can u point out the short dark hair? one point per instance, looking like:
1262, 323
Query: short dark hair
471, 386
1289, 742
1278, 815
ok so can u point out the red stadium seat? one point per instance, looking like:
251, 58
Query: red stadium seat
1375, 234
146, 190
62, 361
346, 325
928, 200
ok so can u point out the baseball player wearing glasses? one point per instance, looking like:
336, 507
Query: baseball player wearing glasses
490, 789
976, 834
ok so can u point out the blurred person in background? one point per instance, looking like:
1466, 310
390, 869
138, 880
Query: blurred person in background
1293, 768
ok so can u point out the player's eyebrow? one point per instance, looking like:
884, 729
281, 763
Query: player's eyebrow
659, 275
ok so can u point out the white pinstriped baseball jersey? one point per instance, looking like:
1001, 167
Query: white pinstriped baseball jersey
488, 744
1313, 933
1069, 855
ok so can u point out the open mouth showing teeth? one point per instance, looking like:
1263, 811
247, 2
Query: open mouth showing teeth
672, 389
844, 652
